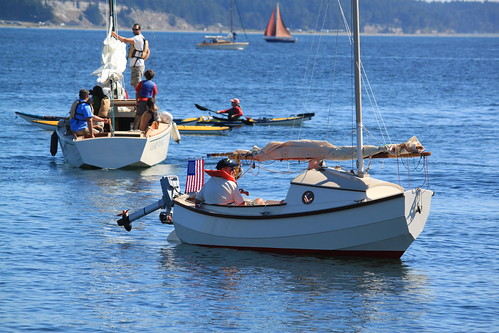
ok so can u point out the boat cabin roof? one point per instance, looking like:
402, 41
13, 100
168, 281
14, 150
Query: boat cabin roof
340, 179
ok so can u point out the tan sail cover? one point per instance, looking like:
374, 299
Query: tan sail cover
304, 150
275, 26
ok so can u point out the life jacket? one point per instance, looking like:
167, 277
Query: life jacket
147, 89
140, 54
220, 173
76, 113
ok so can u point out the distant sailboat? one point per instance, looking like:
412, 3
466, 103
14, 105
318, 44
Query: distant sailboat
223, 42
276, 31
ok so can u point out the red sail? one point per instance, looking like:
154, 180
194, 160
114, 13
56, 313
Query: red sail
276, 26
270, 30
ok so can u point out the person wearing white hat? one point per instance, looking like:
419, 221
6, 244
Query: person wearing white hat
235, 111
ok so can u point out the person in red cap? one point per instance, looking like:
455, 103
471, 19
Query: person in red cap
235, 112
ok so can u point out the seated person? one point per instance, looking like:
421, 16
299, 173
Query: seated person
221, 188
102, 106
149, 116
235, 111
82, 118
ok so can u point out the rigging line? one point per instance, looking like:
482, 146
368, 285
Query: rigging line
368, 87
345, 23
340, 20
374, 104
309, 57
240, 19
331, 98
315, 59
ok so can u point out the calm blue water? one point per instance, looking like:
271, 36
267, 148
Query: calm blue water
67, 266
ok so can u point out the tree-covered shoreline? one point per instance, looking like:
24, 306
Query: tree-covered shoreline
380, 16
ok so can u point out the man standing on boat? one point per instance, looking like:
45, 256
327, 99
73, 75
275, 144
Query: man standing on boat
139, 52
235, 112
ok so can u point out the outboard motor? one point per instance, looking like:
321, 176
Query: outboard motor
170, 186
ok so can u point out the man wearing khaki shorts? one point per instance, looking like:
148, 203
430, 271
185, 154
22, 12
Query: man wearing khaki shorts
139, 52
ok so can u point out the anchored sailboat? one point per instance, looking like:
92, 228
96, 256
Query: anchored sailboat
328, 211
224, 42
276, 31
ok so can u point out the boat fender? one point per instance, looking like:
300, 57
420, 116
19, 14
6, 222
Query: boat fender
54, 140
175, 134
165, 117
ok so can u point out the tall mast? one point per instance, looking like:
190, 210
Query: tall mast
112, 14
231, 15
358, 87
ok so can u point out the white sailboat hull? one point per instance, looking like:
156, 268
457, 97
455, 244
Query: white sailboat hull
114, 152
385, 227
222, 46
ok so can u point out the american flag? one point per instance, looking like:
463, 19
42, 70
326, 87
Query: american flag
195, 175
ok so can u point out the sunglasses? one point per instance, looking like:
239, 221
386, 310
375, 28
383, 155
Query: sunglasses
135, 29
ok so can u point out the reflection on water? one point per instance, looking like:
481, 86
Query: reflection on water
353, 293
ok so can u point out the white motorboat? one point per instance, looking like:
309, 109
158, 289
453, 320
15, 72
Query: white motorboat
327, 211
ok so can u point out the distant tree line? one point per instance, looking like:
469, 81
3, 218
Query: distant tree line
409, 16
406, 16
25, 10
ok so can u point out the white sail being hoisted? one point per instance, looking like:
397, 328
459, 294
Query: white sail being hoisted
114, 62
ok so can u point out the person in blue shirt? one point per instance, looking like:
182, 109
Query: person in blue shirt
81, 122
145, 90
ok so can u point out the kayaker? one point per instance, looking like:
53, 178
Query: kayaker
235, 112
222, 188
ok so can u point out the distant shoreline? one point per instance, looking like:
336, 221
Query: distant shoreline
28, 25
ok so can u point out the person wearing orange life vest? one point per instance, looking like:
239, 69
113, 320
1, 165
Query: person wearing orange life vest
235, 112
222, 189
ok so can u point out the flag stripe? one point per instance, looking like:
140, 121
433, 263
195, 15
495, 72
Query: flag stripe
195, 175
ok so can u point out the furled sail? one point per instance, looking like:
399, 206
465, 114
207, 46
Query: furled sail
113, 61
305, 150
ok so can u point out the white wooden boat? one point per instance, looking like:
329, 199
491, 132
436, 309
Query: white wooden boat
121, 147
276, 31
327, 211
223, 42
